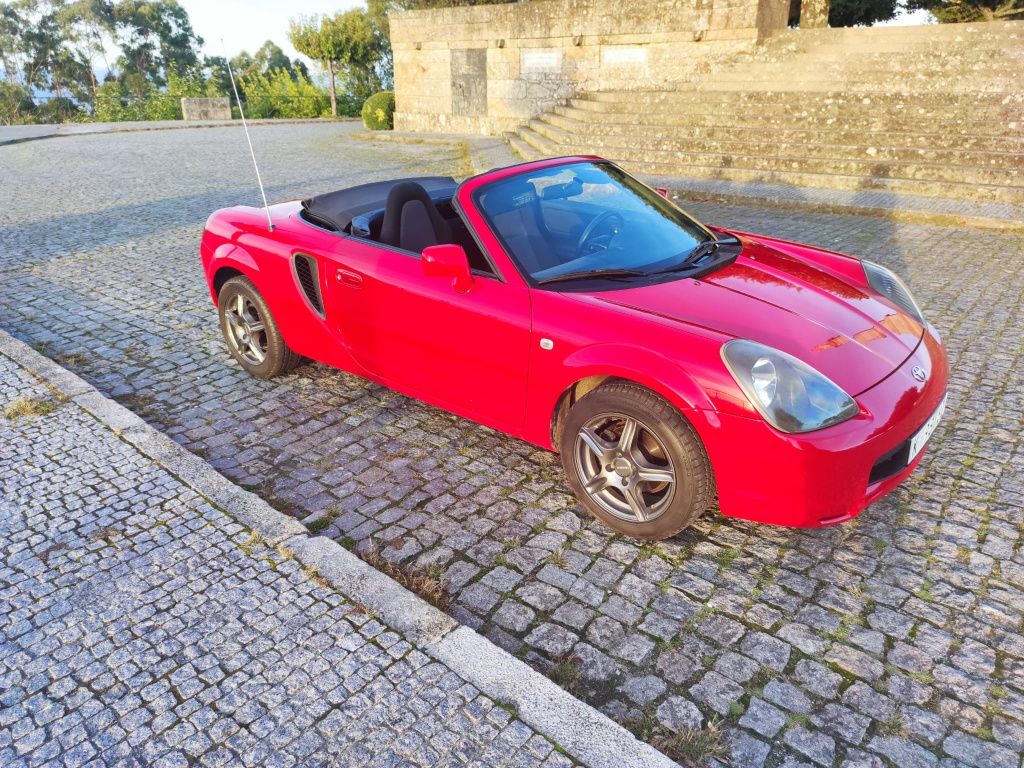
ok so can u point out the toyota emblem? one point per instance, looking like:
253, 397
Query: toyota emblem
919, 373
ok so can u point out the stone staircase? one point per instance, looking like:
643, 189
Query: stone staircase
933, 110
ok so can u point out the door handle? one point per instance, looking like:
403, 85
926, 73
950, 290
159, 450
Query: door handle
349, 278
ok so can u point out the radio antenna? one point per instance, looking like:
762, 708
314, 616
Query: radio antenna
245, 127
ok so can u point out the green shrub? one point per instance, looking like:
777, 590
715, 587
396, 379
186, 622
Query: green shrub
276, 94
15, 104
379, 111
110, 104
136, 99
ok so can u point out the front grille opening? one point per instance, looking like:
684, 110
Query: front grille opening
307, 272
891, 463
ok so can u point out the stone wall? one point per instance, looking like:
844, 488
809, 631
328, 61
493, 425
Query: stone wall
487, 68
218, 108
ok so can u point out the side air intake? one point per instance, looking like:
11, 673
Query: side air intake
307, 272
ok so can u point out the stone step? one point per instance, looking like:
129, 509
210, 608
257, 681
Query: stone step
780, 110
842, 166
975, 64
1012, 100
816, 76
1001, 33
800, 75
993, 193
827, 180
790, 47
784, 117
679, 141
924, 56
927, 110
542, 144
525, 150
575, 121
868, 88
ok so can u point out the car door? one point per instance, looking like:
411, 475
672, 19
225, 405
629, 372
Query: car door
466, 352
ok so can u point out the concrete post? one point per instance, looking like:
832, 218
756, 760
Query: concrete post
813, 14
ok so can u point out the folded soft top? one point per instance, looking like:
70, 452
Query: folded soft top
337, 209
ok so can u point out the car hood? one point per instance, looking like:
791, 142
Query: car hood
840, 329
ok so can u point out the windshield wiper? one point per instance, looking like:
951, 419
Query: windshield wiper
583, 274
701, 252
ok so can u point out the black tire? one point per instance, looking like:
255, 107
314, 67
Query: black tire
665, 444
263, 353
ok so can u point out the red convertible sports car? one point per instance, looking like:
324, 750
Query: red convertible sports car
566, 303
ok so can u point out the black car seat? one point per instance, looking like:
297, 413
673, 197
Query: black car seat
411, 220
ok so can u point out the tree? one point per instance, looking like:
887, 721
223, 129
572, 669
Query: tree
268, 58
850, 13
277, 94
41, 50
155, 36
347, 43
951, 11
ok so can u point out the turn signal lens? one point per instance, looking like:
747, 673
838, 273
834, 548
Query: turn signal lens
888, 283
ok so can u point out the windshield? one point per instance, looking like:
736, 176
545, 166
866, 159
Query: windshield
587, 220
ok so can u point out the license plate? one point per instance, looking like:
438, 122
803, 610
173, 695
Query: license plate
919, 440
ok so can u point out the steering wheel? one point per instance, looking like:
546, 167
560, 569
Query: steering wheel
592, 227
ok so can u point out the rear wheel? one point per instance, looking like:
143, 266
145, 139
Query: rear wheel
635, 462
249, 329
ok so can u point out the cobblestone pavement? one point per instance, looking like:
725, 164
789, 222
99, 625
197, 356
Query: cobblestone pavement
142, 626
893, 639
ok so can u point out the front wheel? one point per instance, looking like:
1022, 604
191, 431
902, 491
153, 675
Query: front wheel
635, 462
249, 329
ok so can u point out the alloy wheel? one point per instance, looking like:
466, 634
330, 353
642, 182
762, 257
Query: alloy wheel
246, 330
624, 467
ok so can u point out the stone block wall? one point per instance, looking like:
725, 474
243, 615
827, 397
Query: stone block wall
217, 108
487, 68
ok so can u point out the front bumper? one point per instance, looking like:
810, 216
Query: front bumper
829, 476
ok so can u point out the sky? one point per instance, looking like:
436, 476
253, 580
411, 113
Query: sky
247, 24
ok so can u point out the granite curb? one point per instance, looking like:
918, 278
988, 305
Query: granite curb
584, 733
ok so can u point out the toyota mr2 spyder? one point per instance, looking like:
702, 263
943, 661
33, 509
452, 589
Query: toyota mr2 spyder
670, 363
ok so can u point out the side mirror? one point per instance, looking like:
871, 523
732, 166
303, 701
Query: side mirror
448, 260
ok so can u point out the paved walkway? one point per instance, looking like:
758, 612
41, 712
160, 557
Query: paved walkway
895, 638
141, 625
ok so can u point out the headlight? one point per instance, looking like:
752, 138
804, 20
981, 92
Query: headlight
888, 283
792, 396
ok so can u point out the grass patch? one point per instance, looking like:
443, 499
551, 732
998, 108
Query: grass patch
76, 359
797, 719
558, 558
347, 542
252, 541
892, 725
21, 407
566, 672
644, 727
424, 582
319, 524
693, 747
727, 557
